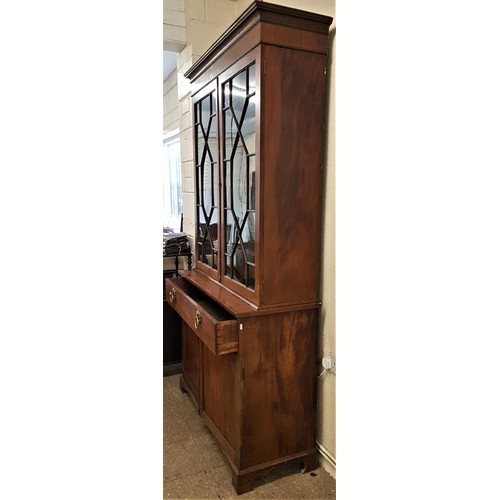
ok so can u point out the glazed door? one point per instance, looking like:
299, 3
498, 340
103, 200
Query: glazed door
239, 96
206, 159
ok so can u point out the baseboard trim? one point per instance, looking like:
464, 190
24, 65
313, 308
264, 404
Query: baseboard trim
327, 460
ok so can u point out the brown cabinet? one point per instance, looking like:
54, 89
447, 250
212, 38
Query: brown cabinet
249, 308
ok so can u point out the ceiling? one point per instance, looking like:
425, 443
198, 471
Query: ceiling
169, 62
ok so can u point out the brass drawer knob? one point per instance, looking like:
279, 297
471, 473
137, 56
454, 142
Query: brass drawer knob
197, 319
171, 295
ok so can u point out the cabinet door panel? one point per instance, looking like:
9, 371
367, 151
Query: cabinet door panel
207, 180
294, 174
221, 398
239, 127
191, 361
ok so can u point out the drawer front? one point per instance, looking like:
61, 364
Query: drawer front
215, 330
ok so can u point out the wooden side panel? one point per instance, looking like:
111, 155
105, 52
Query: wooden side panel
293, 117
222, 398
278, 354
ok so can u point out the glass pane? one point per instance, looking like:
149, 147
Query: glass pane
199, 236
226, 92
239, 265
207, 180
239, 196
207, 186
248, 237
205, 113
213, 260
227, 184
251, 79
229, 266
251, 201
198, 184
239, 94
251, 276
248, 126
200, 145
231, 134
239, 183
229, 239
215, 184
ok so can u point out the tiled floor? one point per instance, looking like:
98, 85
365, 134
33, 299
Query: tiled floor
194, 467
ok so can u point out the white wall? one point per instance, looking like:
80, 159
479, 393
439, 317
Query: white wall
327, 382
174, 26
171, 110
206, 20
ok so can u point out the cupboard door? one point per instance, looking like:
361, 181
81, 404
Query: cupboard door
221, 391
191, 361
206, 150
239, 147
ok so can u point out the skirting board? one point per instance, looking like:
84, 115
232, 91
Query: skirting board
327, 460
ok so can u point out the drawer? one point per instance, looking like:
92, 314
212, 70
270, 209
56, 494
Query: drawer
215, 327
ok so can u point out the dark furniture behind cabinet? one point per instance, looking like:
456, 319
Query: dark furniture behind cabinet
172, 338
249, 308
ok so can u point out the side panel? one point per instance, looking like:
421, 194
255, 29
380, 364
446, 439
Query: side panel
278, 354
293, 117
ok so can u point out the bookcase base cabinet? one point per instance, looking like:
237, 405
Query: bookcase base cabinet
259, 402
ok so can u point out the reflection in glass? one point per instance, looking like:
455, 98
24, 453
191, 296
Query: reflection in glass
239, 173
238, 94
251, 79
206, 179
251, 182
248, 128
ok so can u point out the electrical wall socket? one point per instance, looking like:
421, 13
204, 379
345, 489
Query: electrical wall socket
329, 363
